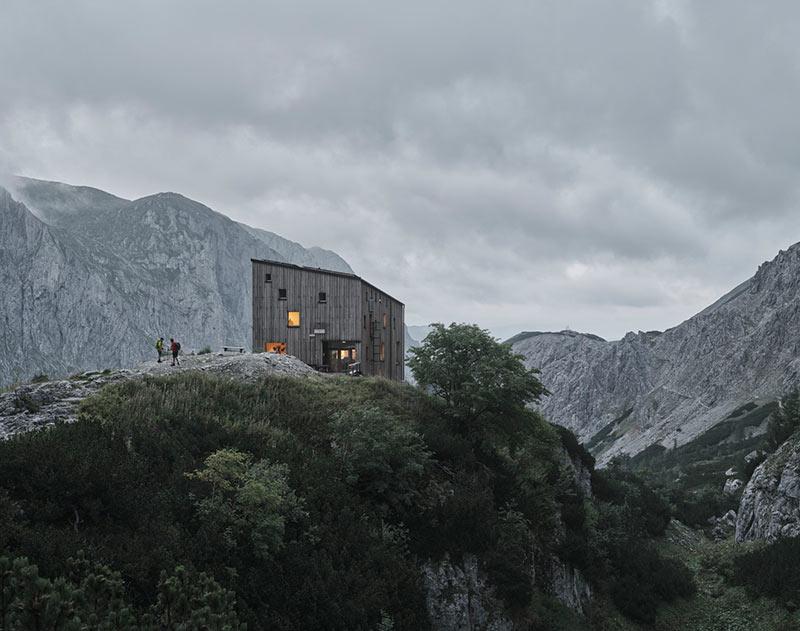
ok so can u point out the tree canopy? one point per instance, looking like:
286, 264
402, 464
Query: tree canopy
473, 373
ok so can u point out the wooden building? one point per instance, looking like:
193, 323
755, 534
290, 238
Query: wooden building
333, 321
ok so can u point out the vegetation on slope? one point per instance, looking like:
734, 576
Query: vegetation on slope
312, 503
693, 475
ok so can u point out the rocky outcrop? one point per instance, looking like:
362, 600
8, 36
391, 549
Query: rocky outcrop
667, 388
36, 405
568, 585
580, 473
89, 280
770, 505
458, 597
732, 485
723, 527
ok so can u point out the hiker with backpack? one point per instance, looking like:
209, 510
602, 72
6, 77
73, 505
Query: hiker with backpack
175, 347
160, 348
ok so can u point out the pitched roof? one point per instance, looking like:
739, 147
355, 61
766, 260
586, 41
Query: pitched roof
320, 270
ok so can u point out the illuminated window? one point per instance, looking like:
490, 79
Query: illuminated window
281, 294
293, 319
275, 347
385, 320
323, 297
267, 278
383, 352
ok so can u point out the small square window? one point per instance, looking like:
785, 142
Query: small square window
281, 294
267, 278
293, 319
323, 297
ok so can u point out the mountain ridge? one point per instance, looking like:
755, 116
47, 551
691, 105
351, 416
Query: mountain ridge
668, 387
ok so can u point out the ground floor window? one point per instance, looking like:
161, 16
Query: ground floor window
275, 347
338, 356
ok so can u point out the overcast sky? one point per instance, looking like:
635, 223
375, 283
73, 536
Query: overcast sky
603, 165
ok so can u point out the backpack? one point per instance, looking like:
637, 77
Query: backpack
177, 346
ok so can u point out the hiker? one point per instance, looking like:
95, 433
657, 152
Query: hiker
160, 348
175, 347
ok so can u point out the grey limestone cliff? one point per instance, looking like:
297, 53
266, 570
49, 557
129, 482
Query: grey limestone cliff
770, 505
668, 387
460, 597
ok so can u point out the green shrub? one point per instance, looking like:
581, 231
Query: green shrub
695, 507
94, 596
311, 502
40, 378
644, 579
25, 402
204, 351
771, 571
785, 420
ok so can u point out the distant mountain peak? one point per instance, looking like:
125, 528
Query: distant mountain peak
524, 335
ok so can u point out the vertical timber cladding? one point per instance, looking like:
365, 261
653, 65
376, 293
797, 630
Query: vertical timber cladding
382, 323
353, 312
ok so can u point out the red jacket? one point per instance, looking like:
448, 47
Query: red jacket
173, 347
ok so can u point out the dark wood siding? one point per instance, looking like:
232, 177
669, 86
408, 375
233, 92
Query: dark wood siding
353, 311
382, 327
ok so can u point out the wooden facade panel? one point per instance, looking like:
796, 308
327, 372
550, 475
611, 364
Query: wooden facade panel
353, 312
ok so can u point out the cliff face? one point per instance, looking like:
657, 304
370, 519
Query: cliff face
89, 280
653, 387
460, 597
770, 505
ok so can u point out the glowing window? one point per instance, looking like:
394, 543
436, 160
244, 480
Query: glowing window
385, 320
275, 347
293, 319
383, 352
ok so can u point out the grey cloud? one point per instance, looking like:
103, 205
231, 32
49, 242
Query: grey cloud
464, 155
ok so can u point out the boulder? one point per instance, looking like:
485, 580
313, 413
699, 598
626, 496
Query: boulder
732, 485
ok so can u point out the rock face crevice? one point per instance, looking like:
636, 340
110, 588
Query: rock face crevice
668, 387
89, 280
770, 505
